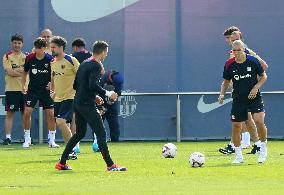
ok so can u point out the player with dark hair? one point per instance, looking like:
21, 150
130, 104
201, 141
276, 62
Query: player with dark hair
13, 63
243, 70
80, 53
38, 67
79, 50
227, 33
87, 88
64, 68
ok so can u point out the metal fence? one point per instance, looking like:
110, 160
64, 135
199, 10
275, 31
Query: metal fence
178, 103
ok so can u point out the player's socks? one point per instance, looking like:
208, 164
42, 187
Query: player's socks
245, 140
51, 141
239, 156
8, 136
262, 152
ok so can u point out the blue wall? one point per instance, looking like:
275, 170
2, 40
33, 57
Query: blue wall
162, 46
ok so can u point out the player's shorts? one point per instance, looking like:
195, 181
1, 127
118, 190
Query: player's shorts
43, 97
14, 101
239, 111
64, 110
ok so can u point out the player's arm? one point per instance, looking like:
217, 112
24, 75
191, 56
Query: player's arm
224, 86
261, 61
262, 79
24, 80
76, 64
24, 76
13, 72
94, 84
16, 72
226, 83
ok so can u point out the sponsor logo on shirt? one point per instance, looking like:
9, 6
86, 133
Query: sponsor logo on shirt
238, 77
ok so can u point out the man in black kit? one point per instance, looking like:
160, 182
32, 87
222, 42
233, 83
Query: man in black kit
87, 88
243, 70
37, 66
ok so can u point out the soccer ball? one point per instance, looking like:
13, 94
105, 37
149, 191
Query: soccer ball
169, 150
196, 159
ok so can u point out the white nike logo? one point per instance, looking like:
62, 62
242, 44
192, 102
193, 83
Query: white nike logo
204, 108
88, 10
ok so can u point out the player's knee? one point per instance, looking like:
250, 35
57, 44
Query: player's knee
27, 112
237, 126
60, 121
10, 114
259, 121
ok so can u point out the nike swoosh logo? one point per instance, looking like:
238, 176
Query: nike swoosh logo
88, 10
204, 108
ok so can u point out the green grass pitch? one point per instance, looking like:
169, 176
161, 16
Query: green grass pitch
32, 171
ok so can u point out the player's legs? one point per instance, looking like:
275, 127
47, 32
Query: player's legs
8, 127
259, 122
251, 127
95, 121
63, 112
65, 129
48, 106
14, 102
245, 138
257, 108
81, 130
27, 126
238, 116
49, 114
72, 126
112, 119
262, 132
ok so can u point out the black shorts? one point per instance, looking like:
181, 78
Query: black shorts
43, 97
239, 111
14, 101
64, 110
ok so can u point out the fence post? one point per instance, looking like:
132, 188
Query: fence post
40, 125
178, 119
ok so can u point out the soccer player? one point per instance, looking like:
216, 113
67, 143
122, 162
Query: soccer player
231, 34
247, 75
13, 62
79, 50
37, 65
64, 68
47, 35
112, 80
87, 87
81, 54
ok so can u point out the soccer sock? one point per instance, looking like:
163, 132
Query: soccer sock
95, 139
8, 136
238, 151
231, 143
245, 139
263, 149
257, 143
51, 135
27, 133
77, 146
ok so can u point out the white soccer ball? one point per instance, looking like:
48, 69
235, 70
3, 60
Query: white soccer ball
169, 150
196, 159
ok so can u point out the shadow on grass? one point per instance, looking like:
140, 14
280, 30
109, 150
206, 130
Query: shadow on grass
223, 165
38, 161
